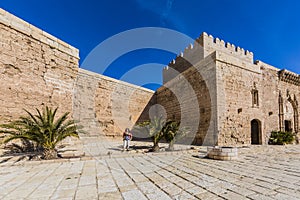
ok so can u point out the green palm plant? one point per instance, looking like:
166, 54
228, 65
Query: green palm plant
154, 129
42, 129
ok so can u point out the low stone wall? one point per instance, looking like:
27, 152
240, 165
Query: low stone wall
222, 153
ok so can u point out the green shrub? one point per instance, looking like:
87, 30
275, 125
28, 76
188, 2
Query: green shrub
281, 137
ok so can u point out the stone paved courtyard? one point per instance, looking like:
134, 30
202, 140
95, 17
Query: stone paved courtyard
261, 172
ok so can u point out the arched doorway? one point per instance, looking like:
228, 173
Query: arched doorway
255, 131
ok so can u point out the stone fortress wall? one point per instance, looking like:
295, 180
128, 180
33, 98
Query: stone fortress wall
37, 70
106, 106
214, 88
239, 119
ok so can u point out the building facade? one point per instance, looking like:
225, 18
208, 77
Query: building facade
241, 101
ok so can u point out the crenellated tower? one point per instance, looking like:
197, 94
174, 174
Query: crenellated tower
202, 47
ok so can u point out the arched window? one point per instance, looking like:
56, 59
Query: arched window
255, 98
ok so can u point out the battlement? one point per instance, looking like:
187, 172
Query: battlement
211, 44
204, 46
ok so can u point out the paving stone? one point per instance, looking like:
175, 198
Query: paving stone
87, 192
195, 190
262, 190
110, 195
159, 196
242, 191
207, 195
280, 196
63, 193
290, 192
260, 197
133, 195
260, 175
128, 188
183, 195
148, 187
172, 190
267, 185
232, 195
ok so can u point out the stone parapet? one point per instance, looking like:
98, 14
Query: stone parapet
24, 27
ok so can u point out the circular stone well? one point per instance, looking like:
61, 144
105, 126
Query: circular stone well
222, 153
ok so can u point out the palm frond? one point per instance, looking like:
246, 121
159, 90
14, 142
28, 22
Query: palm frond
43, 128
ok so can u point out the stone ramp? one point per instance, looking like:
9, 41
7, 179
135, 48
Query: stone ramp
84, 105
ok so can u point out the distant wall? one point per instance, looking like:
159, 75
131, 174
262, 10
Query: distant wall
106, 106
36, 69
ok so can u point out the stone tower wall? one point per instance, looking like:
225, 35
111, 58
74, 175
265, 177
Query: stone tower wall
190, 98
203, 47
235, 108
36, 69
236, 82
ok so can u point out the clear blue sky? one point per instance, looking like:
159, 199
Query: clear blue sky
270, 29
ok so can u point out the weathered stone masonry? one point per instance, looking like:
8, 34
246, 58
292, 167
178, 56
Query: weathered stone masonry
214, 88
250, 99
106, 106
37, 69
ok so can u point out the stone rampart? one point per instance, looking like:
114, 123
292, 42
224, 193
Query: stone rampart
106, 106
36, 69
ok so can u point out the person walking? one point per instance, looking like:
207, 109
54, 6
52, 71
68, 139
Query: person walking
127, 136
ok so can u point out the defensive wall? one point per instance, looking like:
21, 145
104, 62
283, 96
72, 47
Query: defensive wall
214, 88
38, 69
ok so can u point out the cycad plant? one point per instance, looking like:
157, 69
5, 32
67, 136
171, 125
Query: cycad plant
42, 129
173, 132
170, 130
154, 129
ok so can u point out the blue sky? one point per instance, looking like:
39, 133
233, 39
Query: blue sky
270, 28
